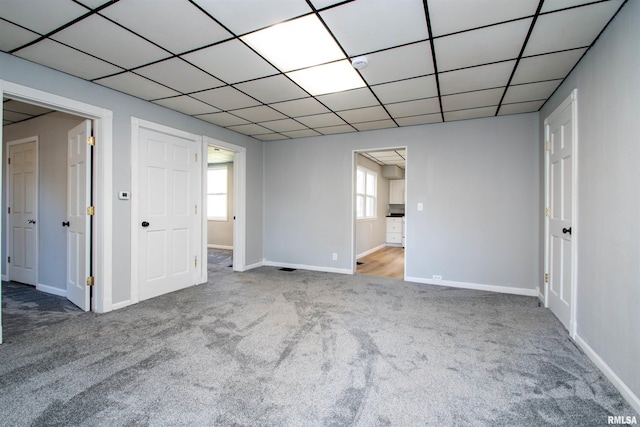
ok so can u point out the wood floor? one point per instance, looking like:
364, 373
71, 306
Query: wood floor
387, 262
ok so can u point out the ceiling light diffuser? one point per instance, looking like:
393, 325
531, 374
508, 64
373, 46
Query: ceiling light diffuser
328, 78
296, 44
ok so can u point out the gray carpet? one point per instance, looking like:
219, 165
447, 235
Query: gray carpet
275, 348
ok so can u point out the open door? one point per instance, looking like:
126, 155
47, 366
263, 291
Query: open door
79, 184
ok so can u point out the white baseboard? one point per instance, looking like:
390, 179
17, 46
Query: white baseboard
254, 265
370, 251
476, 286
229, 248
121, 304
624, 390
308, 267
541, 296
5, 278
51, 290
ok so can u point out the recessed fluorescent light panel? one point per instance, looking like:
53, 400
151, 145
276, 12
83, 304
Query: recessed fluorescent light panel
328, 78
296, 44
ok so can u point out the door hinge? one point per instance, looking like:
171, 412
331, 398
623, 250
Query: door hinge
546, 277
9, 160
546, 211
9, 259
8, 210
91, 140
196, 156
195, 261
91, 210
547, 145
90, 281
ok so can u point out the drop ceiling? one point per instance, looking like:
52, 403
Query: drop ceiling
430, 61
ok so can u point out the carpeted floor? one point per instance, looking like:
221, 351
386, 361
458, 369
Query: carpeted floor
268, 347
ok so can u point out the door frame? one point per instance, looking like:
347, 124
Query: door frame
354, 220
9, 246
103, 166
239, 201
570, 102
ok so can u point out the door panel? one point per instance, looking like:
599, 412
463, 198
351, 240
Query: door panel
79, 229
24, 212
168, 197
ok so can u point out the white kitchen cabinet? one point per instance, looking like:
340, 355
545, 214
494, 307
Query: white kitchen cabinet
396, 192
394, 231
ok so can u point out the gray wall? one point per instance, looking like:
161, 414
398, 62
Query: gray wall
479, 181
221, 232
371, 233
608, 228
124, 107
51, 130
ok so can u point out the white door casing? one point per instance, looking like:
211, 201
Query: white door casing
79, 222
22, 202
167, 218
560, 212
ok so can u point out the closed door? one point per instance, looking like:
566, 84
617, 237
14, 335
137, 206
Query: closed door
78, 221
168, 212
560, 146
23, 212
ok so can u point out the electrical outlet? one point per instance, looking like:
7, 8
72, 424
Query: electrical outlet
335, 256
437, 277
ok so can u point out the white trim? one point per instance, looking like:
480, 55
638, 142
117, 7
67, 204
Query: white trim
5, 278
121, 304
51, 290
254, 265
307, 267
229, 248
476, 286
103, 131
370, 251
541, 297
9, 246
624, 390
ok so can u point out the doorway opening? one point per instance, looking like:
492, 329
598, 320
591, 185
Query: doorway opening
379, 224
220, 208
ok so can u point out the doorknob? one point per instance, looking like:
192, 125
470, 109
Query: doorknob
566, 230
145, 224
65, 224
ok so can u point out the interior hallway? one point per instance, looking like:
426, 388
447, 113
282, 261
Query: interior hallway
386, 262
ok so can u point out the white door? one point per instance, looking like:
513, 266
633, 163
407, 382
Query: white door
560, 198
23, 212
169, 192
78, 222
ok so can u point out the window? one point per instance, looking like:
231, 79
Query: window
366, 183
217, 192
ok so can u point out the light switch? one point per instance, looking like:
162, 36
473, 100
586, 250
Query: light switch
124, 195
420, 206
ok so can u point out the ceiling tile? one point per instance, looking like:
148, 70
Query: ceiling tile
241, 17
321, 120
104, 39
349, 99
476, 78
481, 98
367, 114
260, 113
93, 3
283, 125
492, 44
270, 137
546, 67
419, 120
226, 98
12, 36
570, 28
380, 124
407, 90
521, 107
156, 22
60, 57
232, 62
300, 107
414, 108
473, 113
187, 105
12, 116
24, 108
531, 91
41, 16
321, 4
272, 89
452, 16
223, 119
301, 133
549, 6
400, 63
357, 24
135, 85
250, 129
332, 130
179, 75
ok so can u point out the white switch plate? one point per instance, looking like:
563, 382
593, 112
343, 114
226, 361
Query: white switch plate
420, 206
